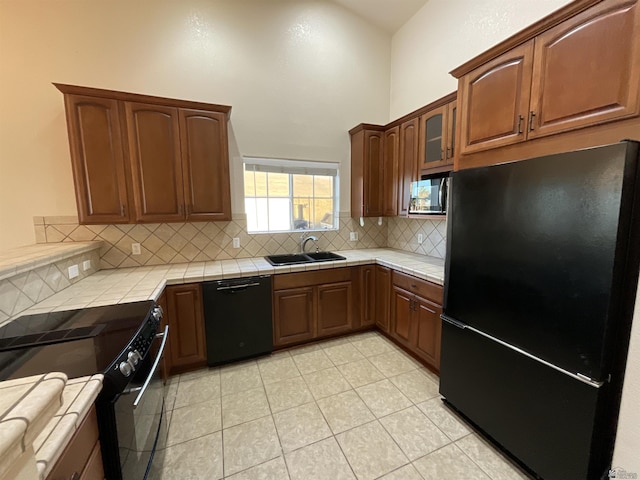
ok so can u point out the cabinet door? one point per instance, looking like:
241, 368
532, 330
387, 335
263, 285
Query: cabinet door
293, 315
383, 297
373, 173
401, 312
407, 162
335, 308
97, 158
205, 165
390, 173
433, 127
368, 295
586, 69
495, 101
186, 327
154, 147
428, 329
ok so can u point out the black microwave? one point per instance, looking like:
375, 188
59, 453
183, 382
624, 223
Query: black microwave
429, 195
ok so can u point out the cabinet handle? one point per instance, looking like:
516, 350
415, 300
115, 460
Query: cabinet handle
187, 208
75, 476
531, 115
448, 152
520, 119
441, 153
121, 210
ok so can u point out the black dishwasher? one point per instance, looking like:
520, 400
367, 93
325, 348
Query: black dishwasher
237, 317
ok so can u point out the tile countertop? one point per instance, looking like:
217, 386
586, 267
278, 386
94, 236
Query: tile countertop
124, 285
38, 417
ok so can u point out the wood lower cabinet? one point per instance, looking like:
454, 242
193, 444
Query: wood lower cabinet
187, 342
428, 330
317, 304
383, 297
368, 305
415, 316
294, 315
81, 459
138, 158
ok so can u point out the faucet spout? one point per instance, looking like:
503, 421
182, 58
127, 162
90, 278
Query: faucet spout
304, 240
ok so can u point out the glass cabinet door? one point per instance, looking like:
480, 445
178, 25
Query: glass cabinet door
432, 136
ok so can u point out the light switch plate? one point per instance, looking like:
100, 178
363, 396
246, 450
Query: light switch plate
353, 236
420, 239
73, 271
86, 265
236, 242
135, 249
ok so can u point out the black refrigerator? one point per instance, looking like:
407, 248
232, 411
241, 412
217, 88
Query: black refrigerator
540, 281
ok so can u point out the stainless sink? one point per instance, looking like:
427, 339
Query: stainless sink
296, 258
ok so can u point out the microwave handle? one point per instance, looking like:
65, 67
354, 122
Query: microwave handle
441, 194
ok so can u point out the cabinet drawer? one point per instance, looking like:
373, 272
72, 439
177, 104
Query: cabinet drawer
314, 277
425, 289
76, 455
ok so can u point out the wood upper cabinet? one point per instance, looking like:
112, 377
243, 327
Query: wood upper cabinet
186, 327
97, 159
367, 171
586, 70
153, 132
205, 165
573, 73
383, 297
495, 101
138, 158
407, 162
436, 136
391, 171
293, 315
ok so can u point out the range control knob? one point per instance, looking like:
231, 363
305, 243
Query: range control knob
133, 357
157, 312
125, 369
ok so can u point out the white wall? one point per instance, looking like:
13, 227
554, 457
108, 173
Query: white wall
298, 74
445, 34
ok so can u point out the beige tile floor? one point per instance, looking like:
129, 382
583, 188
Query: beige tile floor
351, 408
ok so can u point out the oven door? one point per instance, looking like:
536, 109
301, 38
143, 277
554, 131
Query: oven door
140, 416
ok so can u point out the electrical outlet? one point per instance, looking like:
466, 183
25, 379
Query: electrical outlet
420, 239
86, 265
135, 249
236, 242
73, 271
353, 236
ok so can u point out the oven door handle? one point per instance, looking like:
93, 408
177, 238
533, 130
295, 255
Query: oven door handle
143, 389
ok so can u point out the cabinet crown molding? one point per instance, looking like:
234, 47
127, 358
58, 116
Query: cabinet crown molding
140, 98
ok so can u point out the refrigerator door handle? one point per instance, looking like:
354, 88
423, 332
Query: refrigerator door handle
453, 321
576, 376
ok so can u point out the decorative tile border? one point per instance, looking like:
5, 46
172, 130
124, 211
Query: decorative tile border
168, 243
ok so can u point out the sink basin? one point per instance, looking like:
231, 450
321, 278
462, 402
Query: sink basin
324, 256
295, 258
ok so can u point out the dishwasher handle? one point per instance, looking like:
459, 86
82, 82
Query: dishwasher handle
242, 286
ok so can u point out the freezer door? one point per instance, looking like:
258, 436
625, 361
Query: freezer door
537, 249
544, 418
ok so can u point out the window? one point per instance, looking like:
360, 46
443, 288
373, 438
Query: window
290, 195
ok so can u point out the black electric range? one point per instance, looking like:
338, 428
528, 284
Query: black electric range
120, 341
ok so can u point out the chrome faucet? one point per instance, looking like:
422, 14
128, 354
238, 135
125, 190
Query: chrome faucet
304, 239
